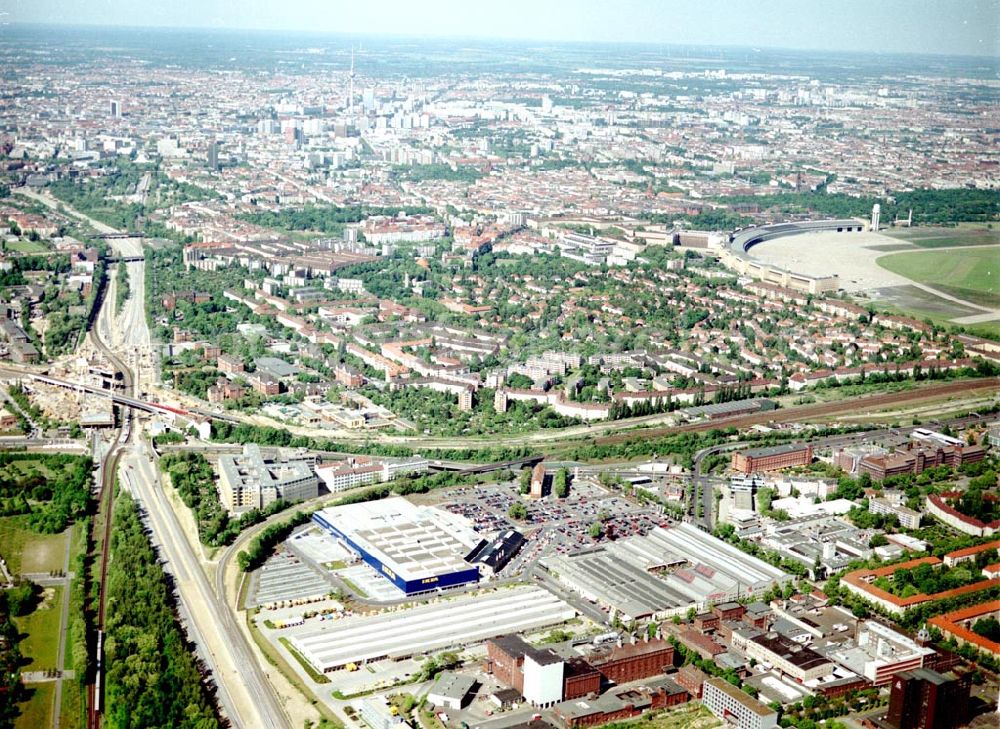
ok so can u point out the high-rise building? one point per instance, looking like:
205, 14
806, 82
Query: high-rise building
115, 109
926, 699
213, 155
350, 92
876, 214
465, 399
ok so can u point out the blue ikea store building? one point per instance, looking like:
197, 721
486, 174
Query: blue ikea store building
411, 586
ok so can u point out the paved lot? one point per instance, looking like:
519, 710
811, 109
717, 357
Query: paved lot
286, 577
553, 526
851, 256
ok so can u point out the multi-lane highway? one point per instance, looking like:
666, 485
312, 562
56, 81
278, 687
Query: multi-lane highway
244, 692
246, 697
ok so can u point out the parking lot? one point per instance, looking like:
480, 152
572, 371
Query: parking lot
285, 577
553, 525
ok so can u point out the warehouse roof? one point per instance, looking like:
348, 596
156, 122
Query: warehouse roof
414, 542
515, 646
620, 576
798, 655
333, 644
453, 685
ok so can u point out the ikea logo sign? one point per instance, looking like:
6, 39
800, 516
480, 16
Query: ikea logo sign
391, 575
429, 580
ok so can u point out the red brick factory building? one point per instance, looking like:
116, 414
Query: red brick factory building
772, 458
510, 659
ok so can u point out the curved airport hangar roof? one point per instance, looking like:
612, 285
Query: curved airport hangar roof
741, 241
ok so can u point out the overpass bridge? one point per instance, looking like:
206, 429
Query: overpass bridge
473, 468
116, 398
121, 236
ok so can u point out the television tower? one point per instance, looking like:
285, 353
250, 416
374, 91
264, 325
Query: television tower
350, 103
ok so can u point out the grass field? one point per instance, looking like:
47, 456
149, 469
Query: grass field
971, 235
989, 330
42, 627
306, 666
27, 246
73, 713
26, 551
37, 711
970, 274
26, 466
687, 716
354, 588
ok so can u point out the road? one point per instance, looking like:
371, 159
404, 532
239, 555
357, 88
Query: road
805, 413
244, 693
8, 402
619, 431
61, 445
63, 630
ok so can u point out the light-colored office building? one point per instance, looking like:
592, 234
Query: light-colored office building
735, 707
251, 481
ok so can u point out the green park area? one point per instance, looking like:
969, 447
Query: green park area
41, 645
688, 716
44, 510
26, 246
27, 551
37, 710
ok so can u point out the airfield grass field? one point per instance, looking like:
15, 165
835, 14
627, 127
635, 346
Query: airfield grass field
966, 234
970, 274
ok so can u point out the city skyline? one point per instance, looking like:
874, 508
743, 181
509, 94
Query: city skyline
415, 366
952, 28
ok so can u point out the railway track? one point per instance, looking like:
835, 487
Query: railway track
807, 412
106, 497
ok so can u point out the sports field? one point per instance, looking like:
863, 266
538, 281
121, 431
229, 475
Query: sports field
971, 274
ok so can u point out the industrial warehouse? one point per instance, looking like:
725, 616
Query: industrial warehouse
418, 549
459, 622
695, 569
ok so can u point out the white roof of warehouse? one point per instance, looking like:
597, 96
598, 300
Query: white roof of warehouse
464, 620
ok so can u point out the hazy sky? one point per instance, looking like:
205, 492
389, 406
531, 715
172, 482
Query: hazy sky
928, 26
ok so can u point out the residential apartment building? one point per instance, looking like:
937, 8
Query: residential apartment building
736, 707
908, 518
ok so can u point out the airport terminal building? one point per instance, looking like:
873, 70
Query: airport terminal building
417, 548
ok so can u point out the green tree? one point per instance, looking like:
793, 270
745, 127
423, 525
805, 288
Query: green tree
560, 483
524, 481
517, 511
